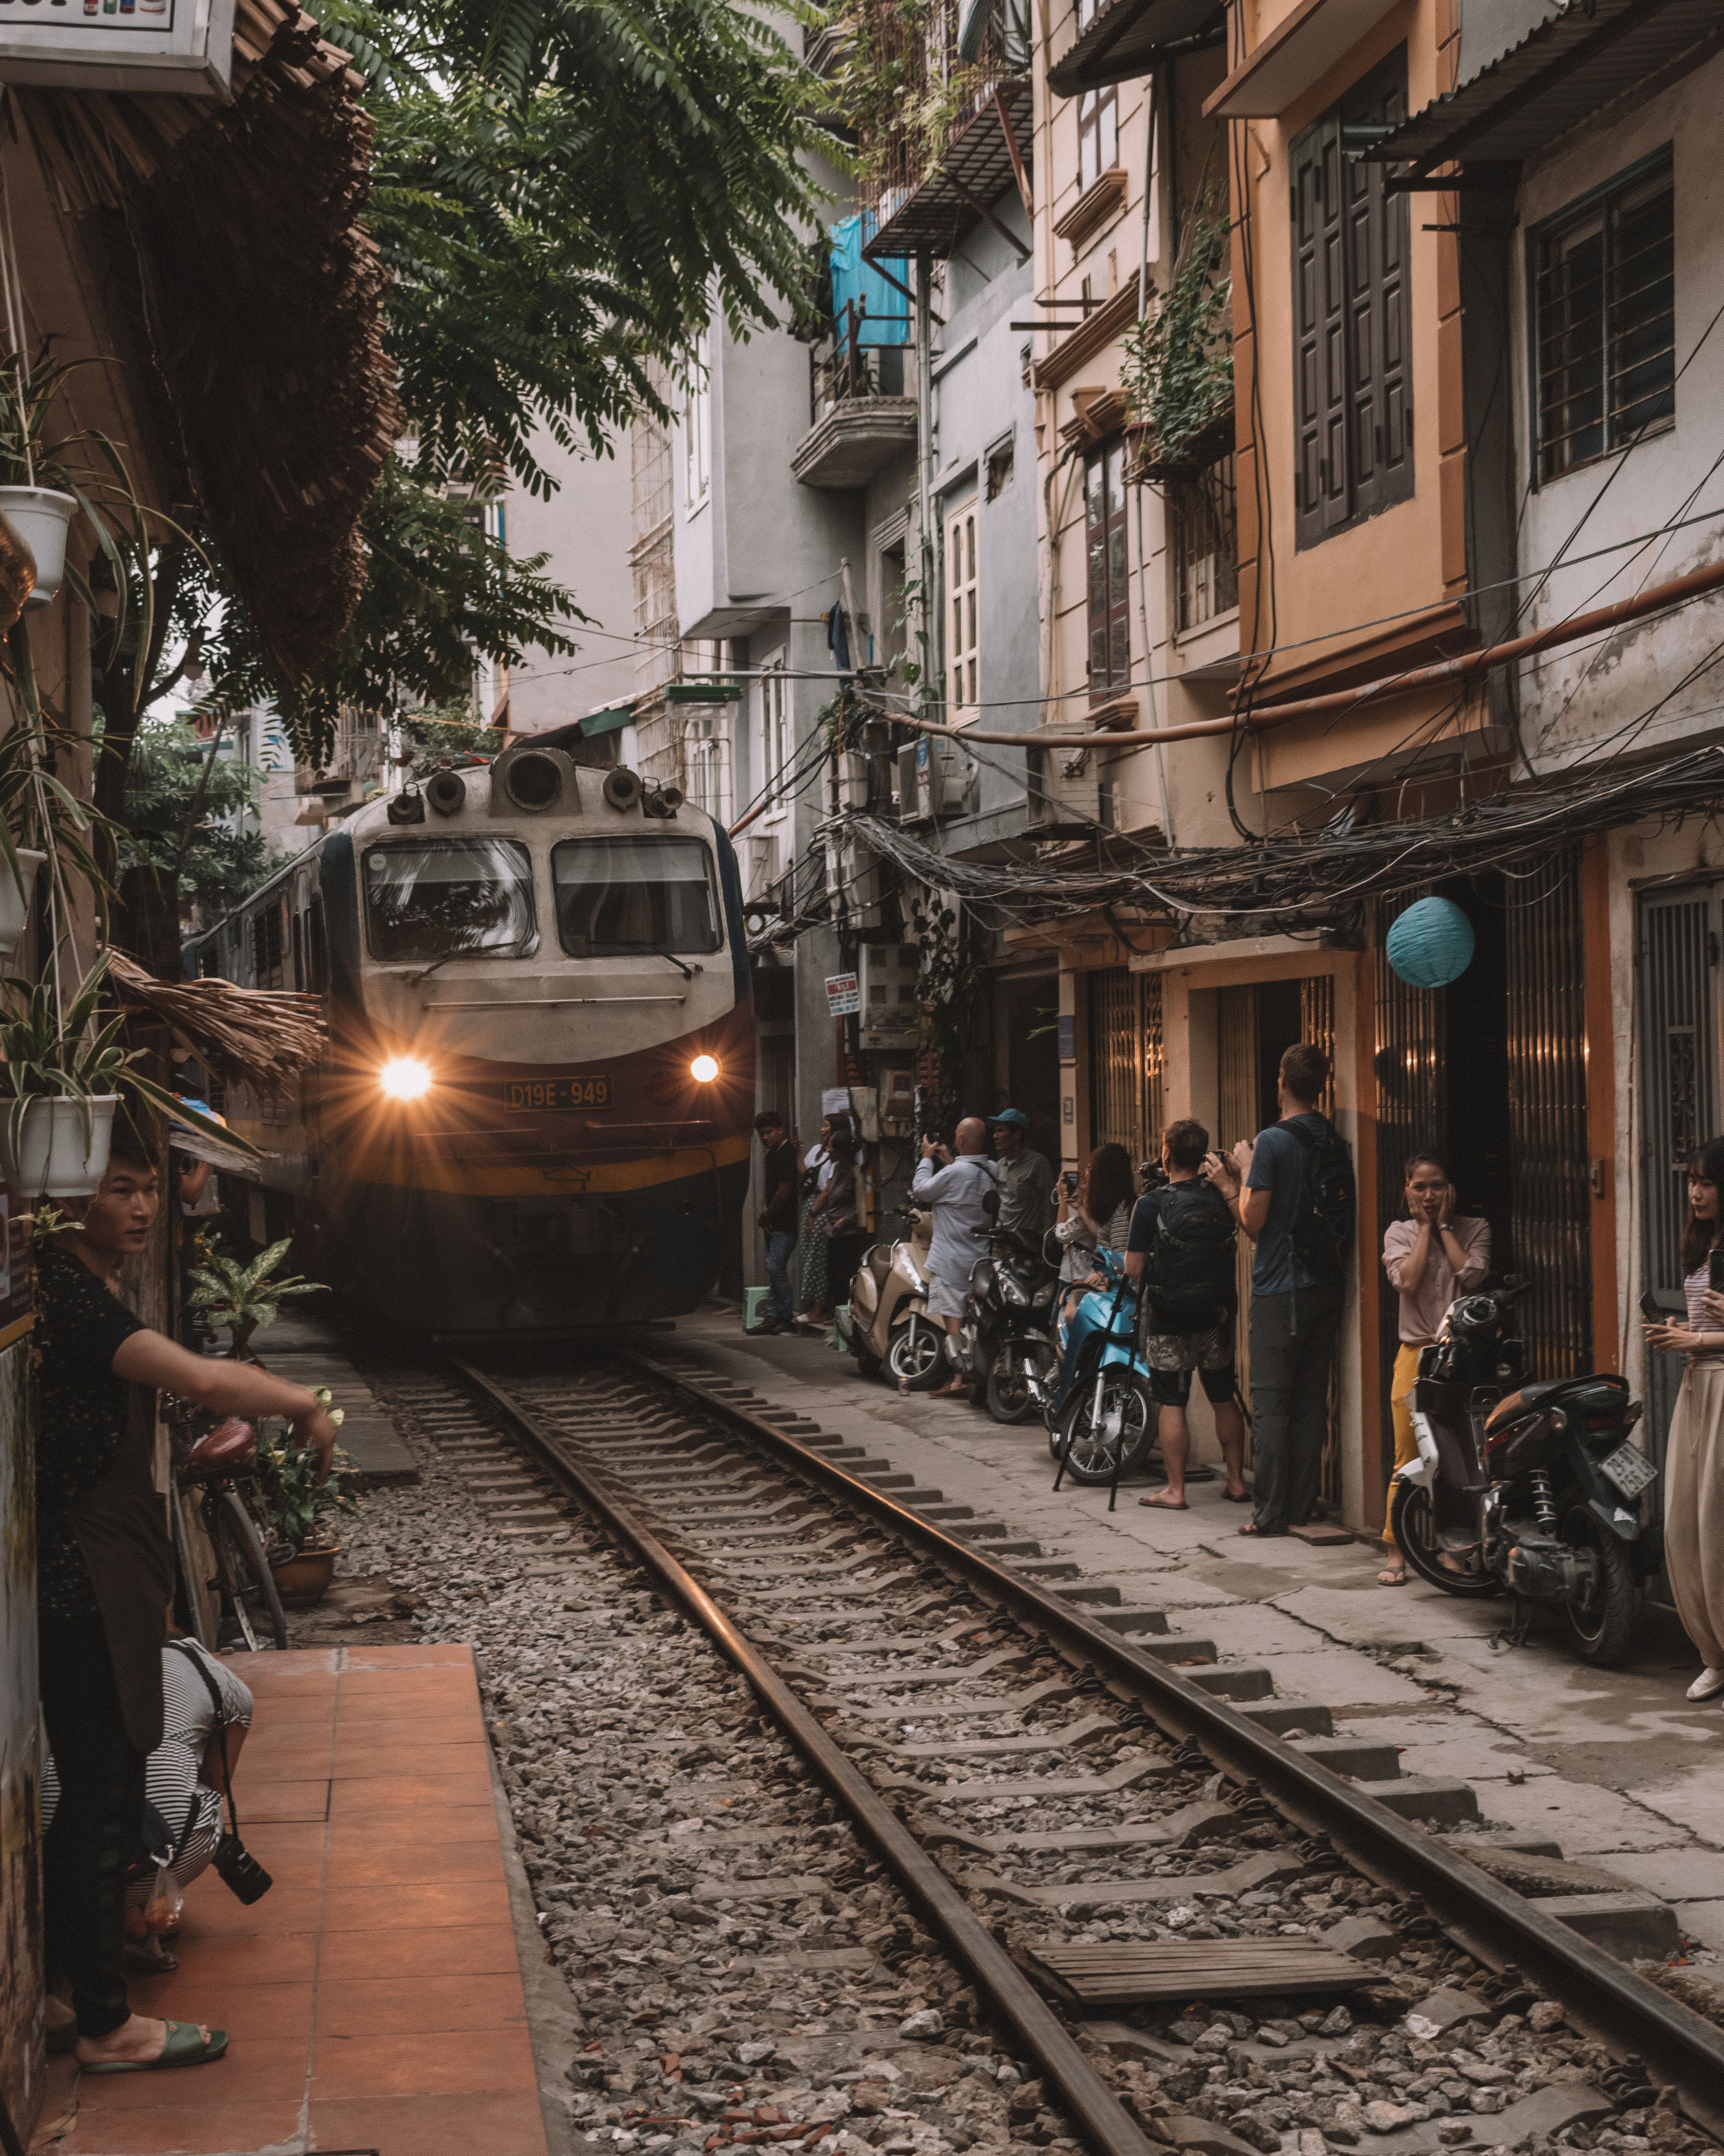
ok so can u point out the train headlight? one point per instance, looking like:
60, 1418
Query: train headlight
405, 1078
705, 1068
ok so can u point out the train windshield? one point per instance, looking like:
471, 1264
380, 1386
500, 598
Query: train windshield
615, 896
443, 897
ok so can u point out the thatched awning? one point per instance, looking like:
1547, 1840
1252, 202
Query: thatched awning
255, 1036
261, 298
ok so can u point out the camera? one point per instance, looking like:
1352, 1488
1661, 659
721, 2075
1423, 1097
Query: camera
245, 1877
1152, 1176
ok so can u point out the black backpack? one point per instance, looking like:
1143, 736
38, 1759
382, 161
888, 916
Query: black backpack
1322, 1233
1190, 1278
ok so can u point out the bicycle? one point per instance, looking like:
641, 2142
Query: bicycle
248, 1604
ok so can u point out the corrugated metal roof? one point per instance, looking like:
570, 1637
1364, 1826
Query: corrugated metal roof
1562, 73
1127, 38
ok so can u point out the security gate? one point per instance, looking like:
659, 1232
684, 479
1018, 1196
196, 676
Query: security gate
1548, 1164
1680, 1061
1125, 1061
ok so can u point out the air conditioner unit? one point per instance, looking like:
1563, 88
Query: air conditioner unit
1067, 792
885, 974
860, 882
934, 779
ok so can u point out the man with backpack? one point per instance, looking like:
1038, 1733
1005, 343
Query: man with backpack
1292, 1192
1181, 1254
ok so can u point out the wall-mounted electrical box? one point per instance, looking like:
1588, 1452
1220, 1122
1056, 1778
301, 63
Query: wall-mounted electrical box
897, 1104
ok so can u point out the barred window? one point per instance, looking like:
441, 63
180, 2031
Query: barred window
1204, 507
1604, 295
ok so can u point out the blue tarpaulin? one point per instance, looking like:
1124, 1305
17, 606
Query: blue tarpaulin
884, 309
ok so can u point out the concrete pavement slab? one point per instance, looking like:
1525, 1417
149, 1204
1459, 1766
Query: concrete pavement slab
1343, 1679
1586, 1820
1703, 1921
1385, 1618
1679, 1874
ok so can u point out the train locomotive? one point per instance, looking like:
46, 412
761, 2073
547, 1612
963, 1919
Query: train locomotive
534, 1115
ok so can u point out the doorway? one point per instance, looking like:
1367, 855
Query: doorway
1027, 1057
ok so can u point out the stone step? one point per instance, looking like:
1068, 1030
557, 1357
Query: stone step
1132, 1620
1239, 1680
1442, 1797
1361, 1759
1634, 1927
944, 1514
921, 1499
1282, 1716
1182, 1647
1099, 1591
1048, 1569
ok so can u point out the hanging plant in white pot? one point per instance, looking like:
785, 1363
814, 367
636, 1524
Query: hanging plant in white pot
41, 517
60, 1084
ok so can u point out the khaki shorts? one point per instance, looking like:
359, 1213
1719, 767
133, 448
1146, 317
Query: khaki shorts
944, 1301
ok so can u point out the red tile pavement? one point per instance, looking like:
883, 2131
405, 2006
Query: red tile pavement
373, 1997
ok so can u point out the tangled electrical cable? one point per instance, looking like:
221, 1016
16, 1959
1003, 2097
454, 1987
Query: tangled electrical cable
1302, 882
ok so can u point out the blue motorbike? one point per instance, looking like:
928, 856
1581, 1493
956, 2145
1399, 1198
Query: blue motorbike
1102, 1421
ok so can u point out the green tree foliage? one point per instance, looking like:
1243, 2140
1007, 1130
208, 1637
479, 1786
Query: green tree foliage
564, 190
185, 814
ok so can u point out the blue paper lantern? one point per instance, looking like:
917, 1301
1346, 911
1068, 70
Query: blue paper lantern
1431, 943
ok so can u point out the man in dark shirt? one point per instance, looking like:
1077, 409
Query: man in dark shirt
1294, 1317
105, 1577
778, 1219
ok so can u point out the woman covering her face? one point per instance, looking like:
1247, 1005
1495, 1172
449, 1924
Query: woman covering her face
1430, 1257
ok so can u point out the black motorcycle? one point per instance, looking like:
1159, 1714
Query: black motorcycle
1527, 1489
1006, 1336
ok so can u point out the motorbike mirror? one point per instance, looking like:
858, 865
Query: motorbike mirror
1512, 1286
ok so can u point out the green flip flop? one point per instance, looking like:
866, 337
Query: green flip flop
184, 2047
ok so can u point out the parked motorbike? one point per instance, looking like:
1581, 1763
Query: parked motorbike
1528, 1489
887, 1324
1104, 1420
1006, 1339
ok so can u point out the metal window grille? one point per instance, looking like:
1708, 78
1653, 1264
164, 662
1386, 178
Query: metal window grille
1206, 542
1109, 572
1125, 1060
1606, 295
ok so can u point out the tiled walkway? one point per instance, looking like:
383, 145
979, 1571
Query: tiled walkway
373, 1997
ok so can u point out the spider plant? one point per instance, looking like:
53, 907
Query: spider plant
56, 1055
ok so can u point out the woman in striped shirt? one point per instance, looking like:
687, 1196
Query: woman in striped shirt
1694, 1455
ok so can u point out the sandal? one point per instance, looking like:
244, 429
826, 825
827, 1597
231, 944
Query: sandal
1164, 1504
1251, 1527
1237, 1496
184, 2047
1386, 1578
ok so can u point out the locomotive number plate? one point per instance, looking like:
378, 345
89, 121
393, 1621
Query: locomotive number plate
1629, 1469
533, 1095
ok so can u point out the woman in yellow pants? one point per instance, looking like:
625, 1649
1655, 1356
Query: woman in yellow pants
1430, 1257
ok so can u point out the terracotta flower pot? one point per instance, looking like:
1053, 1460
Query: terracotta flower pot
303, 1580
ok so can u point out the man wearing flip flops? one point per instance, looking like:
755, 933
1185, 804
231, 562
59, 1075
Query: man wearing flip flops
105, 1581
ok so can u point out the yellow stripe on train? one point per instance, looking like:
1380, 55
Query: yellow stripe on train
422, 1168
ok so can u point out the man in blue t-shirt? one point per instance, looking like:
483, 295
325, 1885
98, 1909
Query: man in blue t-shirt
1294, 1318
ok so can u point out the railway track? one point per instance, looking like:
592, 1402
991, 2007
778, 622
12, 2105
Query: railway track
1032, 1761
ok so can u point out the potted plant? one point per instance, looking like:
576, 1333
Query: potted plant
300, 1512
243, 1298
62, 1081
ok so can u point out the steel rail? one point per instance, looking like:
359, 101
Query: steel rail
1104, 2123
1602, 1996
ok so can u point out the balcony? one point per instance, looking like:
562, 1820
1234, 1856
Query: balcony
861, 418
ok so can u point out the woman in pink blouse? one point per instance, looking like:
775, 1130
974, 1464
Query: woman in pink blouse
1430, 1257
1694, 1452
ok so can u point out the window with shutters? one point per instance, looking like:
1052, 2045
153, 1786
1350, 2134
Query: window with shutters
962, 593
1604, 299
1105, 541
1352, 329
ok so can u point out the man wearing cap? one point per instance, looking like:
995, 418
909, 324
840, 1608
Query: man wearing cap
1026, 1179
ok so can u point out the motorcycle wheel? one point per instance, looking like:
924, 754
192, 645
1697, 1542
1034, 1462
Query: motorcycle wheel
1600, 1632
915, 1354
1010, 1398
1415, 1530
1088, 1450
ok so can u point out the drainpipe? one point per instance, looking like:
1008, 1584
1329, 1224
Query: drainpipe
924, 458
1161, 747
